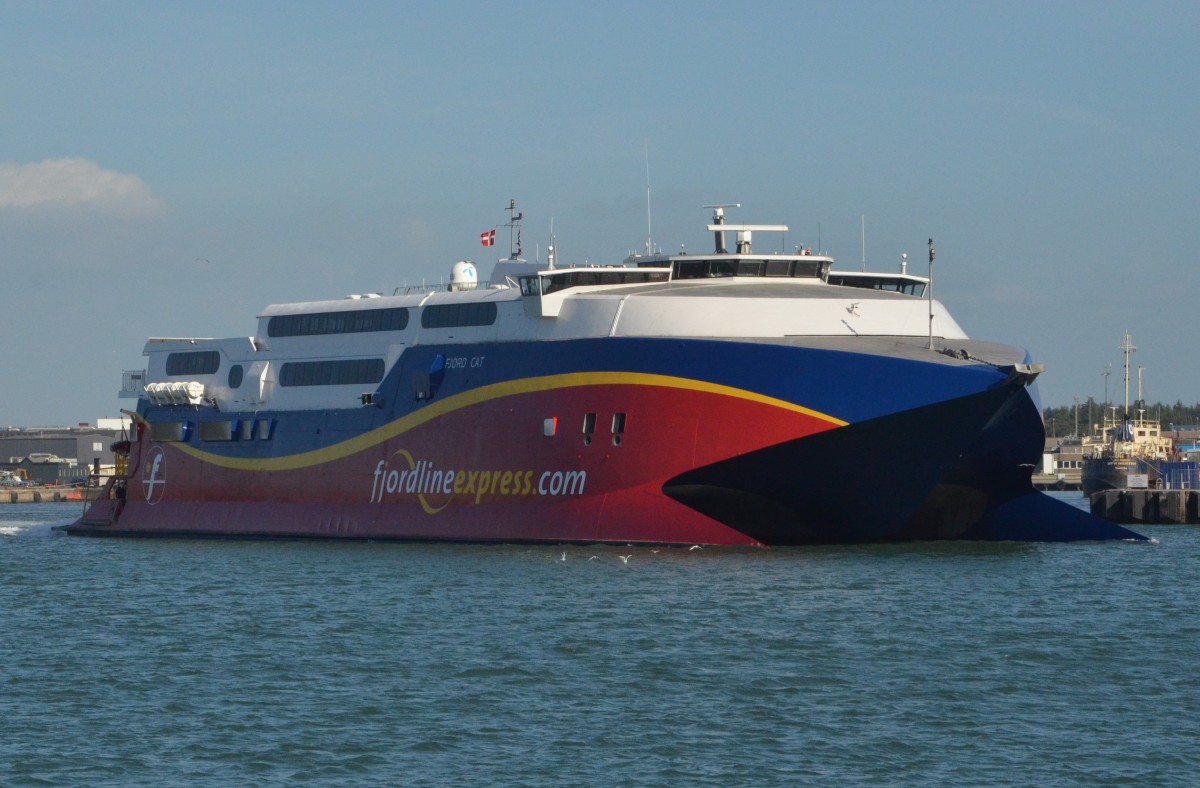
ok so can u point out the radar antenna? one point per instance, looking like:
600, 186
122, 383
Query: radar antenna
744, 231
719, 218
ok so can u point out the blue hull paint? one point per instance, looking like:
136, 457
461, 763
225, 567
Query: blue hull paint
847, 386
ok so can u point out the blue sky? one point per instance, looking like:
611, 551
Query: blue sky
168, 169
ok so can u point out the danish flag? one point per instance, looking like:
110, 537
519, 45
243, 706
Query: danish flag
488, 238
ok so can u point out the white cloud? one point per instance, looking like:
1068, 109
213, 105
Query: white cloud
74, 183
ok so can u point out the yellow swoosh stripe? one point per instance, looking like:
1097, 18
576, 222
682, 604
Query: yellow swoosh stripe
482, 394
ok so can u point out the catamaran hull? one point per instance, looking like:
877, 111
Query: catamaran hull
618, 441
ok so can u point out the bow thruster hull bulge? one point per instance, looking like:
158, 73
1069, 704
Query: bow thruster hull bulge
723, 398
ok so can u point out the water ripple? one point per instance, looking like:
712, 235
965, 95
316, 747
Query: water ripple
198, 662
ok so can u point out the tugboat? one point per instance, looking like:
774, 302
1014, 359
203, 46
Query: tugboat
735, 397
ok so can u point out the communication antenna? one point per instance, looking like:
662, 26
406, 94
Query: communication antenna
1141, 400
1107, 371
1128, 348
864, 242
649, 246
514, 231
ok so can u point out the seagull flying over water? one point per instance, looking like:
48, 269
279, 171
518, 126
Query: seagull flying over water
563, 557
624, 559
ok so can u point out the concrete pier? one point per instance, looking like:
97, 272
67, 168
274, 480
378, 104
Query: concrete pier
1147, 506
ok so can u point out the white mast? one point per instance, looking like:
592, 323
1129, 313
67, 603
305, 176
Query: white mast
1141, 400
929, 292
1127, 347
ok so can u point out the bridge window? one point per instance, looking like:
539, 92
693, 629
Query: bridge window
617, 276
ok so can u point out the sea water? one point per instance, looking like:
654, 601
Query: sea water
193, 662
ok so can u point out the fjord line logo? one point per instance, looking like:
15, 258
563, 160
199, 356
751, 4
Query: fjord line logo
154, 475
422, 478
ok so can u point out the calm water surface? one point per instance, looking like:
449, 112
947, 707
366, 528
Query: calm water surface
214, 662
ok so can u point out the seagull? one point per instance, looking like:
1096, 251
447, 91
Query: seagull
654, 551
593, 558
624, 559
695, 547
563, 557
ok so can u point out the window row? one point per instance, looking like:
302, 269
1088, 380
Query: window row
200, 362
343, 322
331, 373
563, 281
705, 269
617, 428
475, 313
183, 431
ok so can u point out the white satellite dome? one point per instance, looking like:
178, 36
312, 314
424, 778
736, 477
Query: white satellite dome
463, 276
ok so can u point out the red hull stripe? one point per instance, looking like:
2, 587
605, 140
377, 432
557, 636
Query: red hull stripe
482, 394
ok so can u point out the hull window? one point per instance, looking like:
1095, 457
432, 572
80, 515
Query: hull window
618, 428
216, 430
166, 431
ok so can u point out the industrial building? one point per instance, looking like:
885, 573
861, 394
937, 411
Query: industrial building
60, 455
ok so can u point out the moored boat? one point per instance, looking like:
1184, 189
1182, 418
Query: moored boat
1130, 452
731, 398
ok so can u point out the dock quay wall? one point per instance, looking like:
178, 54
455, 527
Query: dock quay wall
1147, 506
47, 495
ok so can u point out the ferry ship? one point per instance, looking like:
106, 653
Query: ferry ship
724, 398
